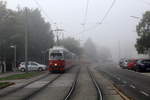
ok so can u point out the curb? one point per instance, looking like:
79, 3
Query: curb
120, 92
9, 84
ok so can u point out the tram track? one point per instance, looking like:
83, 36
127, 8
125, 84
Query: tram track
40, 89
84, 87
47, 91
21, 87
72, 88
13, 94
54, 79
96, 84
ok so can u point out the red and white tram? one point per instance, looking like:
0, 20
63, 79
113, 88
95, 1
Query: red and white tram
60, 59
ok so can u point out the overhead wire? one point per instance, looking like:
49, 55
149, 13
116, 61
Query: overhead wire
86, 12
85, 17
50, 20
108, 11
41, 8
103, 19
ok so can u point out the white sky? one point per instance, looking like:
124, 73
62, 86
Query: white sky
118, 26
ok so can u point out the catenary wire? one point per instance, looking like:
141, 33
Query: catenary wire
103, 19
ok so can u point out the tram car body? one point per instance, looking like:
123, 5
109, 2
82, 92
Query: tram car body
60, 59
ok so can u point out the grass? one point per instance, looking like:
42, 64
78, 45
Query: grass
21, 76
5, 84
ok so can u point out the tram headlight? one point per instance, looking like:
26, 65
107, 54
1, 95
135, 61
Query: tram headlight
55, 64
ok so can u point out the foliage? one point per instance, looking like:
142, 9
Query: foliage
95, 52
143, 31
12, 32
90, 49
21, 76
72, 45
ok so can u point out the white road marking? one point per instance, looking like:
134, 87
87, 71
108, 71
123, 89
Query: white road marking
144, 93
132, 86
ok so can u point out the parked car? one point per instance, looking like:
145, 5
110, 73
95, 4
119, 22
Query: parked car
132, 64
143, 65
123, 63
32, 66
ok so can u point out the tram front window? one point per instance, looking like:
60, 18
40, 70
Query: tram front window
57, 56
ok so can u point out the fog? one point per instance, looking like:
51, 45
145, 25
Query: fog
117, 32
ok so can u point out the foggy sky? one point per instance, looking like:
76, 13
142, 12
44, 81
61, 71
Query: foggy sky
117, 28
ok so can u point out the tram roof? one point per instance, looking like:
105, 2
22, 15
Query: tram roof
59, 48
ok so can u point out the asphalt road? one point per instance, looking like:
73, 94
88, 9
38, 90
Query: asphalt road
133, 84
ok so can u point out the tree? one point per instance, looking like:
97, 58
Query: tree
72, 45
143, 32
90, 49
7, 24
104, 53
95, 52
40, 35
12, 31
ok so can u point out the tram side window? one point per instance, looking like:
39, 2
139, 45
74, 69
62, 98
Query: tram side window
67, 56
56, 56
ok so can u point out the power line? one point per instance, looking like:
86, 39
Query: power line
38, 4
100, 22
57, 30
86, 12
108, 11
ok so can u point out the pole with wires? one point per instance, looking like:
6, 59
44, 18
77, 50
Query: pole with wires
26, 40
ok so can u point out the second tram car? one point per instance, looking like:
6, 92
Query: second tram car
60, 59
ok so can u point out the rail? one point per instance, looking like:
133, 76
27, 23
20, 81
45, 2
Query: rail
72, 88
98, 89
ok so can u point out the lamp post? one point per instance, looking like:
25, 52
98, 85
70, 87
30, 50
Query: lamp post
14, 47
26, 40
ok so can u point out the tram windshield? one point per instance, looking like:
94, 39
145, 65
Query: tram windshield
56, 56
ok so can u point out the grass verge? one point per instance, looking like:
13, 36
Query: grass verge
5, 84
21, 76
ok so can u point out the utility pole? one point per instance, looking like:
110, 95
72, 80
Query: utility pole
26, 40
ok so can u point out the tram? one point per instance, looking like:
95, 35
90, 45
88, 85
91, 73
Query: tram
60, 59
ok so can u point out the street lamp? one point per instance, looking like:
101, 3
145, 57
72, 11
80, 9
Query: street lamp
14, 47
